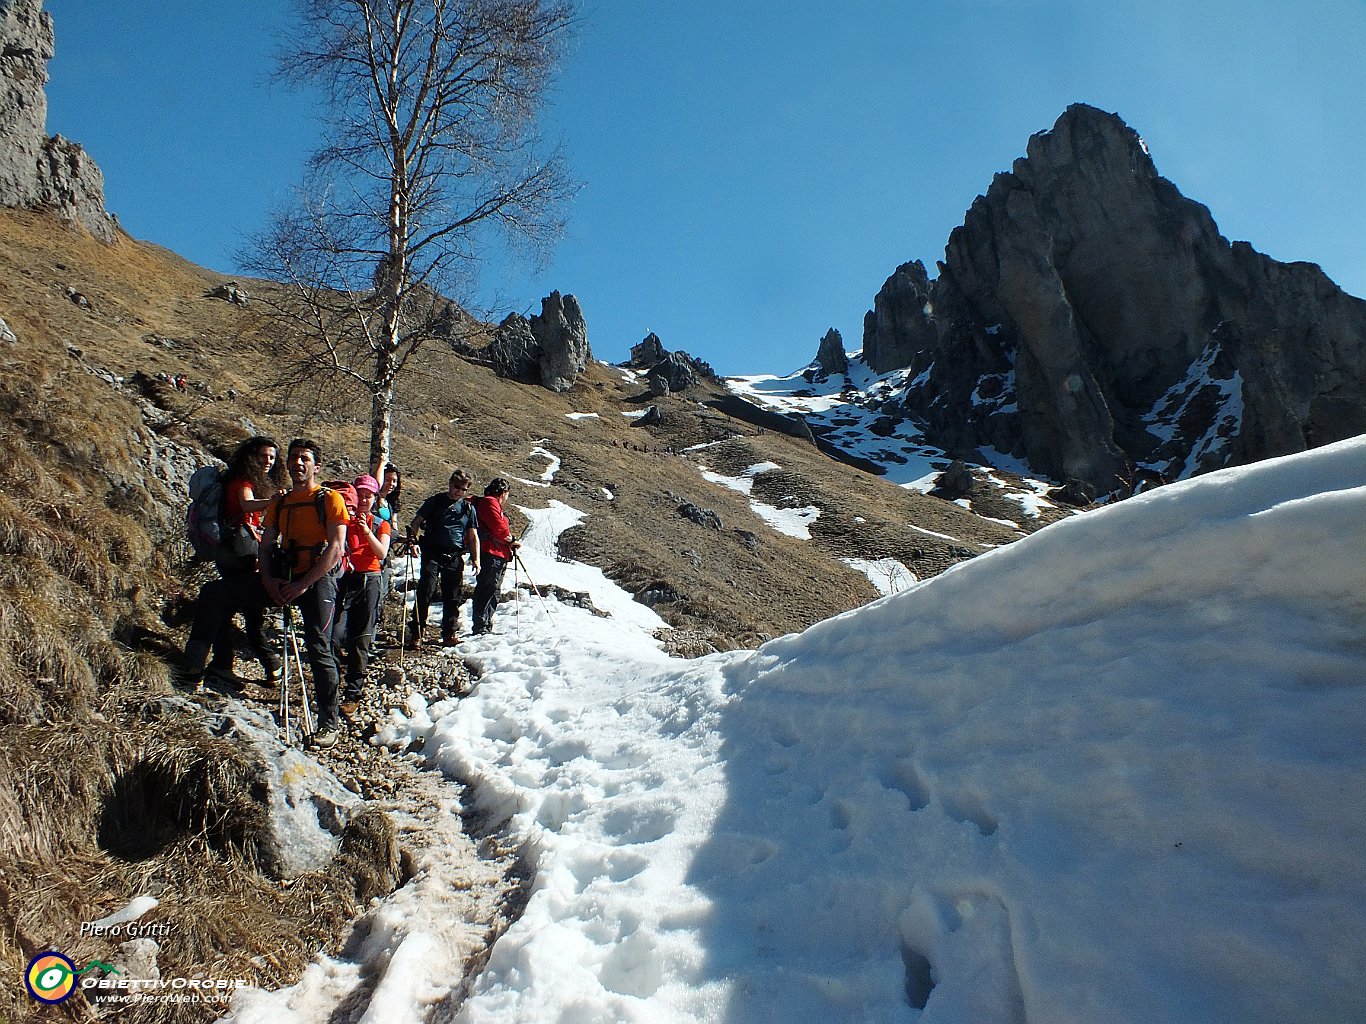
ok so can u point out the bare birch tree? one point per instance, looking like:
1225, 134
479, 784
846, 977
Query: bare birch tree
432, 155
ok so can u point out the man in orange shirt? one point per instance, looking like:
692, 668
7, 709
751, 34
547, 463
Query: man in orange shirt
301, 551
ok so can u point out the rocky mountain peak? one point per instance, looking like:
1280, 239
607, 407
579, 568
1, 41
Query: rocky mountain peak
37, 170
1090, 318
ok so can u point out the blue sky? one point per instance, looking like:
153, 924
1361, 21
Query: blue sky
753, 170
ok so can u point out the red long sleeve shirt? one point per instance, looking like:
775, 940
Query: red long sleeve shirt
495, 532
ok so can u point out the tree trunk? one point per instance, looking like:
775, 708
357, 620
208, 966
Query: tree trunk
381, 426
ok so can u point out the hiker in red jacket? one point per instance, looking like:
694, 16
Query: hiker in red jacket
358, 593
499, 547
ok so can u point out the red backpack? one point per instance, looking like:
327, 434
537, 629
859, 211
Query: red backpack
352, 502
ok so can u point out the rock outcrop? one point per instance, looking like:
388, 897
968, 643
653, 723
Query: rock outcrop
667, 372
1091, 319
562, 334
38, 171
830, 357
514, 351
647, 353
550, 349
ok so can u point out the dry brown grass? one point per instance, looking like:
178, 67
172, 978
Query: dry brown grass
107, 789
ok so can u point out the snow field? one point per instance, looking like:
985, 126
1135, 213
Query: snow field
1109, 773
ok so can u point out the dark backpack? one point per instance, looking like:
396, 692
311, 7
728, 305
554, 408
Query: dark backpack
203, 516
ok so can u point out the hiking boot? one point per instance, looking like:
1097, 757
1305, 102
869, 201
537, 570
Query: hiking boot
188, 672
450, 641
325, 738
350, 709
224, 679
414, 643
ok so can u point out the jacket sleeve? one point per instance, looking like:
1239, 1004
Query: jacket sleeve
492, 521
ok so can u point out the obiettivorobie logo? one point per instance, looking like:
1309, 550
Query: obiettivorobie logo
51, 976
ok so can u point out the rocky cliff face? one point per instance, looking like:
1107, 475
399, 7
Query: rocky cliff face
1091, 319
35, 170
550, 349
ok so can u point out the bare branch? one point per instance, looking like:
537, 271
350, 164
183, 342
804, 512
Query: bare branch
432, 150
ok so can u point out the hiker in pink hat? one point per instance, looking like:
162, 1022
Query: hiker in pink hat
367, 543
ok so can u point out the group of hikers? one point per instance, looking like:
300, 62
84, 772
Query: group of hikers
287, 540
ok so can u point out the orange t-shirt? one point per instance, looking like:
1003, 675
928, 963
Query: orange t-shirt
363, 559
299, 527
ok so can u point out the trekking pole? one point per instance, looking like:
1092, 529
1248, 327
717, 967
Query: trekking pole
293, 637
284, 689
532, 582
403, 615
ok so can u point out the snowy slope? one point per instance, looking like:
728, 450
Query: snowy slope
859, 413
1193, 424
1112, 772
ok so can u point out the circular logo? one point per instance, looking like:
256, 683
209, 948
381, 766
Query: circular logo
51, 977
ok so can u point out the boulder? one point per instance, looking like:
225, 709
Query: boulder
308, 808
658, 593
232, 292
1074, 492
955, 481
701, 516
676, 371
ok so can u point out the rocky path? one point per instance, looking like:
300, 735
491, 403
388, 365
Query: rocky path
462, 881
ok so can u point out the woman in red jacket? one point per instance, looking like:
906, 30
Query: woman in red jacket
353, 629
498, 547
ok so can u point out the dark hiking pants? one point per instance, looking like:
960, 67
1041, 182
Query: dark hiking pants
220, 599
225, 644
487, 588
354, 633
445, 569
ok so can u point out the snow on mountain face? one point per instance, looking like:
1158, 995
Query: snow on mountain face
858, 412
1109, 773
1198, 418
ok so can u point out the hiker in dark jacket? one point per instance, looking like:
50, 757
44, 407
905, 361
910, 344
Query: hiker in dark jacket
254, 475
447, 522
301, 550
498, 547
